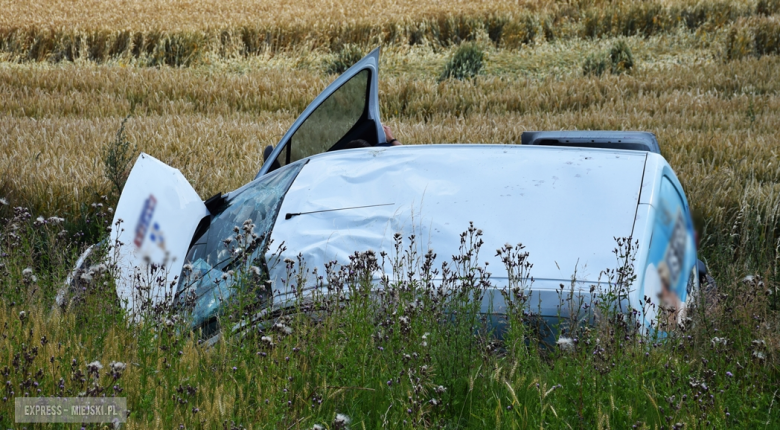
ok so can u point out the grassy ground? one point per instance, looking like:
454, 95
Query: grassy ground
706, 81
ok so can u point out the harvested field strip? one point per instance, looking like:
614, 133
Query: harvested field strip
181, 33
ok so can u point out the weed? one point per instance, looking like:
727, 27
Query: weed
117, 155
595, 64
618, 60
621, 58
466, 63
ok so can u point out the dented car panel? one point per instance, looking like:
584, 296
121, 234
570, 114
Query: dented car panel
356, 200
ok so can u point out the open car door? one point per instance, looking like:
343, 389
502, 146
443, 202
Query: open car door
347, 110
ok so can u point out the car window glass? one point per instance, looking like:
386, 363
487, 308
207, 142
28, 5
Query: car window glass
331, 121
215, 259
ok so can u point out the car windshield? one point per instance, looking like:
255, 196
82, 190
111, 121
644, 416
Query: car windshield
234, 241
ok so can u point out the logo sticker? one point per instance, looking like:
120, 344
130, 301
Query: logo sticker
144, 220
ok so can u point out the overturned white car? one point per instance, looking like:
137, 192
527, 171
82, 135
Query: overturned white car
566, 196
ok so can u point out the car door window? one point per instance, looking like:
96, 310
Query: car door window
331, 121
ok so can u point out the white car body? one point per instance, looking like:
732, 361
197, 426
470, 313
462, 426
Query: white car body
567, 205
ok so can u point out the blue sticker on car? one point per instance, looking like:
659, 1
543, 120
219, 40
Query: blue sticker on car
672, 252
144, 220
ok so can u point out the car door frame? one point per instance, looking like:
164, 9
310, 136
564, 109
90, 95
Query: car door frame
371, 63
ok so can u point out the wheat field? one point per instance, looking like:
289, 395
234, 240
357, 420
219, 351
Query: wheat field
717, 121
206, 85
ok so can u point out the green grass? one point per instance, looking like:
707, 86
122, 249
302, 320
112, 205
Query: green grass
415, 356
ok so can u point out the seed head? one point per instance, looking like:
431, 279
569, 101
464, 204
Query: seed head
719, 341
282, 328
565, 344
94, 367
341, 421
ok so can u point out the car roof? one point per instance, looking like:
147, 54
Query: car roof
566, 205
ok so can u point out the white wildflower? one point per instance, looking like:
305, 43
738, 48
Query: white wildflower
40, 220
86, 277
27, 272
440, 389
187, 267
255, 270
758, 355
56, 220
95, 366
117, 366
98, 268
22, 315
759, 343
3, 202
283, 328
317, 427
267, 339
566, 344
719, 341
341, 421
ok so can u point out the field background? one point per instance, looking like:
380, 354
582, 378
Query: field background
208, 84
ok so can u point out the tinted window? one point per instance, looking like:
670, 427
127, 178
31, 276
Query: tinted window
331, 121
